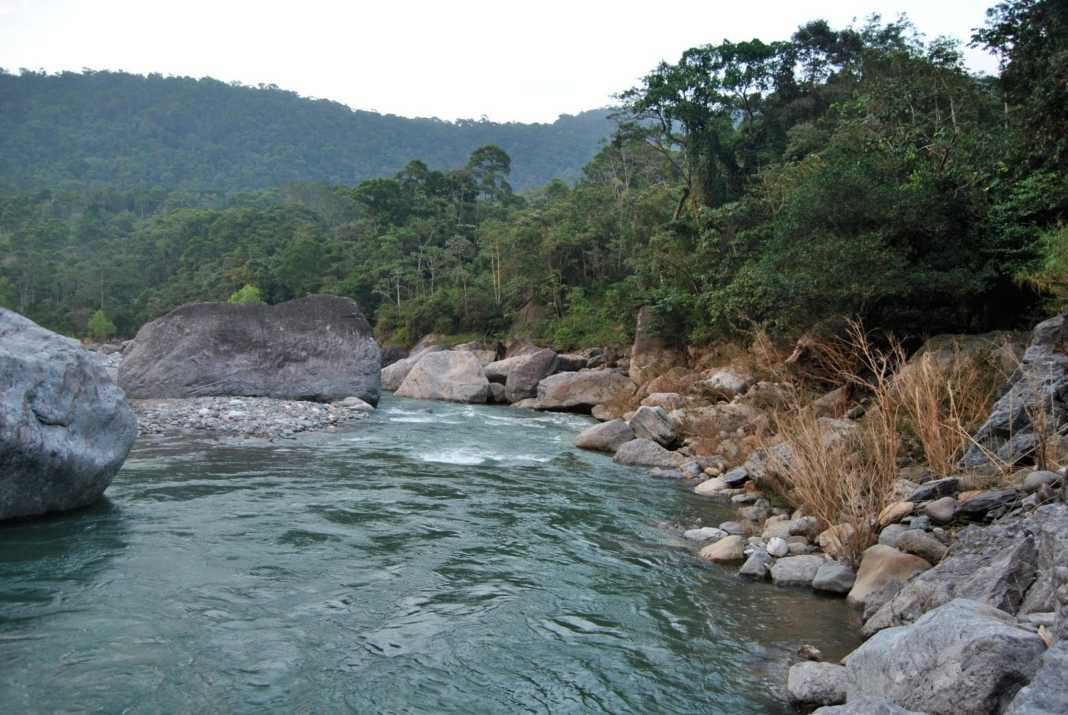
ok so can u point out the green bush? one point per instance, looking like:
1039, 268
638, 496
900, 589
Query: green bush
247, 295
100, 327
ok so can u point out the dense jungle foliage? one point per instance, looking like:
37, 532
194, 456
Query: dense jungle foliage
852, 171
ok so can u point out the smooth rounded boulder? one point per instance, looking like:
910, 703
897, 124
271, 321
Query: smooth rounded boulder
605, 437
452, 375
65, 428
581, 391
317, 348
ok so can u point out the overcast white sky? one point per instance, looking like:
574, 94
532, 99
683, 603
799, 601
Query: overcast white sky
511, 61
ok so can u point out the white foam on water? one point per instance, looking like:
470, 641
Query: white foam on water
460, 455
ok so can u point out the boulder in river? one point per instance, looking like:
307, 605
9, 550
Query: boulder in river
451, 375
65, 428
316, 348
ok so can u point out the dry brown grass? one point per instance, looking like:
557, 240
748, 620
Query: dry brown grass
943, 399
845, 478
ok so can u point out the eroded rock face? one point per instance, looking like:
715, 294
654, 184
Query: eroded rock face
962, 657
1042, 379
65, 428
1047, 694
316, 348
580, 391
651, 355
605, 437
452, 375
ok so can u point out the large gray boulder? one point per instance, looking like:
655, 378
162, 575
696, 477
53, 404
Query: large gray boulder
1050, 589
65, 428
653, 423
393, 374
527, 372
580, 391
498, 370
866, 705
1039, 384
1047, 694
809, 684
647, 453
605, 437
962, 657
316, 348
451, 375
994, 565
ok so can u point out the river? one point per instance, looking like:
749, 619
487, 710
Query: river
434, 558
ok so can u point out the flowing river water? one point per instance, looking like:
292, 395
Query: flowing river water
434, 558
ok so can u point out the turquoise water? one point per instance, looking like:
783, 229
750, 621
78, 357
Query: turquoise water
435, 558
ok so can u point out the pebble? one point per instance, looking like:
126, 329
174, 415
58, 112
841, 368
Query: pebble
778, 547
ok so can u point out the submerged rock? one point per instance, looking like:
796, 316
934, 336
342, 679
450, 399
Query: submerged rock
316, 348
65, 428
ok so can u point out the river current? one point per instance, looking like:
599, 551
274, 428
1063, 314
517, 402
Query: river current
434, 558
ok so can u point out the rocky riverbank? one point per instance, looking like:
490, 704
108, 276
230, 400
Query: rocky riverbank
962, 588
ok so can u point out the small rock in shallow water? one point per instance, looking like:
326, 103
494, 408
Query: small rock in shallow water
729, 548
757, 565
834, 577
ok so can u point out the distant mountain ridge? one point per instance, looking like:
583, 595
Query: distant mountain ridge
127, 131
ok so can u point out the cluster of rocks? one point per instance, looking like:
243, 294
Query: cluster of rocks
261, 417
526, 376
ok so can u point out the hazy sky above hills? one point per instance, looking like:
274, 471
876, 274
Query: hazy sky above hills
508, 60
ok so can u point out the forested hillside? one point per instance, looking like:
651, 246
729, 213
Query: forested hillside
126, 131
857, 171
